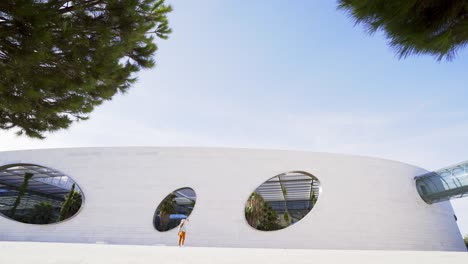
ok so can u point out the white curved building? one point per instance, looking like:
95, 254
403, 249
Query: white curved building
364, 203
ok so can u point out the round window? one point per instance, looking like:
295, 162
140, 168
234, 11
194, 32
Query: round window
282, 201
176, 206
35, 194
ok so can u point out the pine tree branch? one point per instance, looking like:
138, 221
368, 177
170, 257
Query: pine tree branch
6, 127
72, 63
3, 55
84, 5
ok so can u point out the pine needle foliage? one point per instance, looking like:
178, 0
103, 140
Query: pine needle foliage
61, 58
434, 27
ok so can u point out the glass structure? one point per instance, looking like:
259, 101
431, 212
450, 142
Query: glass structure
176, 206
35, 194
282, 201
444, 184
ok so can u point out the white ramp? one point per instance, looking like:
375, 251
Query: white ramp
63, 253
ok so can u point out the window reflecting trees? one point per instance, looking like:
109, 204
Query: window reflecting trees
282, 201
35, 194
176, 206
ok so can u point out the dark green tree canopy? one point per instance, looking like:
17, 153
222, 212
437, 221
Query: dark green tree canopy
61, 58
435, 27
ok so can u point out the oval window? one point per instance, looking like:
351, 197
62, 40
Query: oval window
35, 194
176, 206
282, 201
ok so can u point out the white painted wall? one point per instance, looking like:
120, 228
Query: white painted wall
365, 203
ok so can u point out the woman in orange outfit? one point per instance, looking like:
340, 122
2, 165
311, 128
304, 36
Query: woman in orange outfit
182, 231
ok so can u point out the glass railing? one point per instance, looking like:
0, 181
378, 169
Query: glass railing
444, 184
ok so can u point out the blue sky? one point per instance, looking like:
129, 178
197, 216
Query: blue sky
284, 75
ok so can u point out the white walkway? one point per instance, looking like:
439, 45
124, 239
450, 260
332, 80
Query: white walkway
61, 253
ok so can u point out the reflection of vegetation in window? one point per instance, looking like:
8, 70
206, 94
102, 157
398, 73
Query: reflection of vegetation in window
176, 206
22, 190
71, 205
285, 193
269, 219
42, 213
260, 215
466, 241
166, 208
253, 210
286, 217
34, 194
313, 198
282, 201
